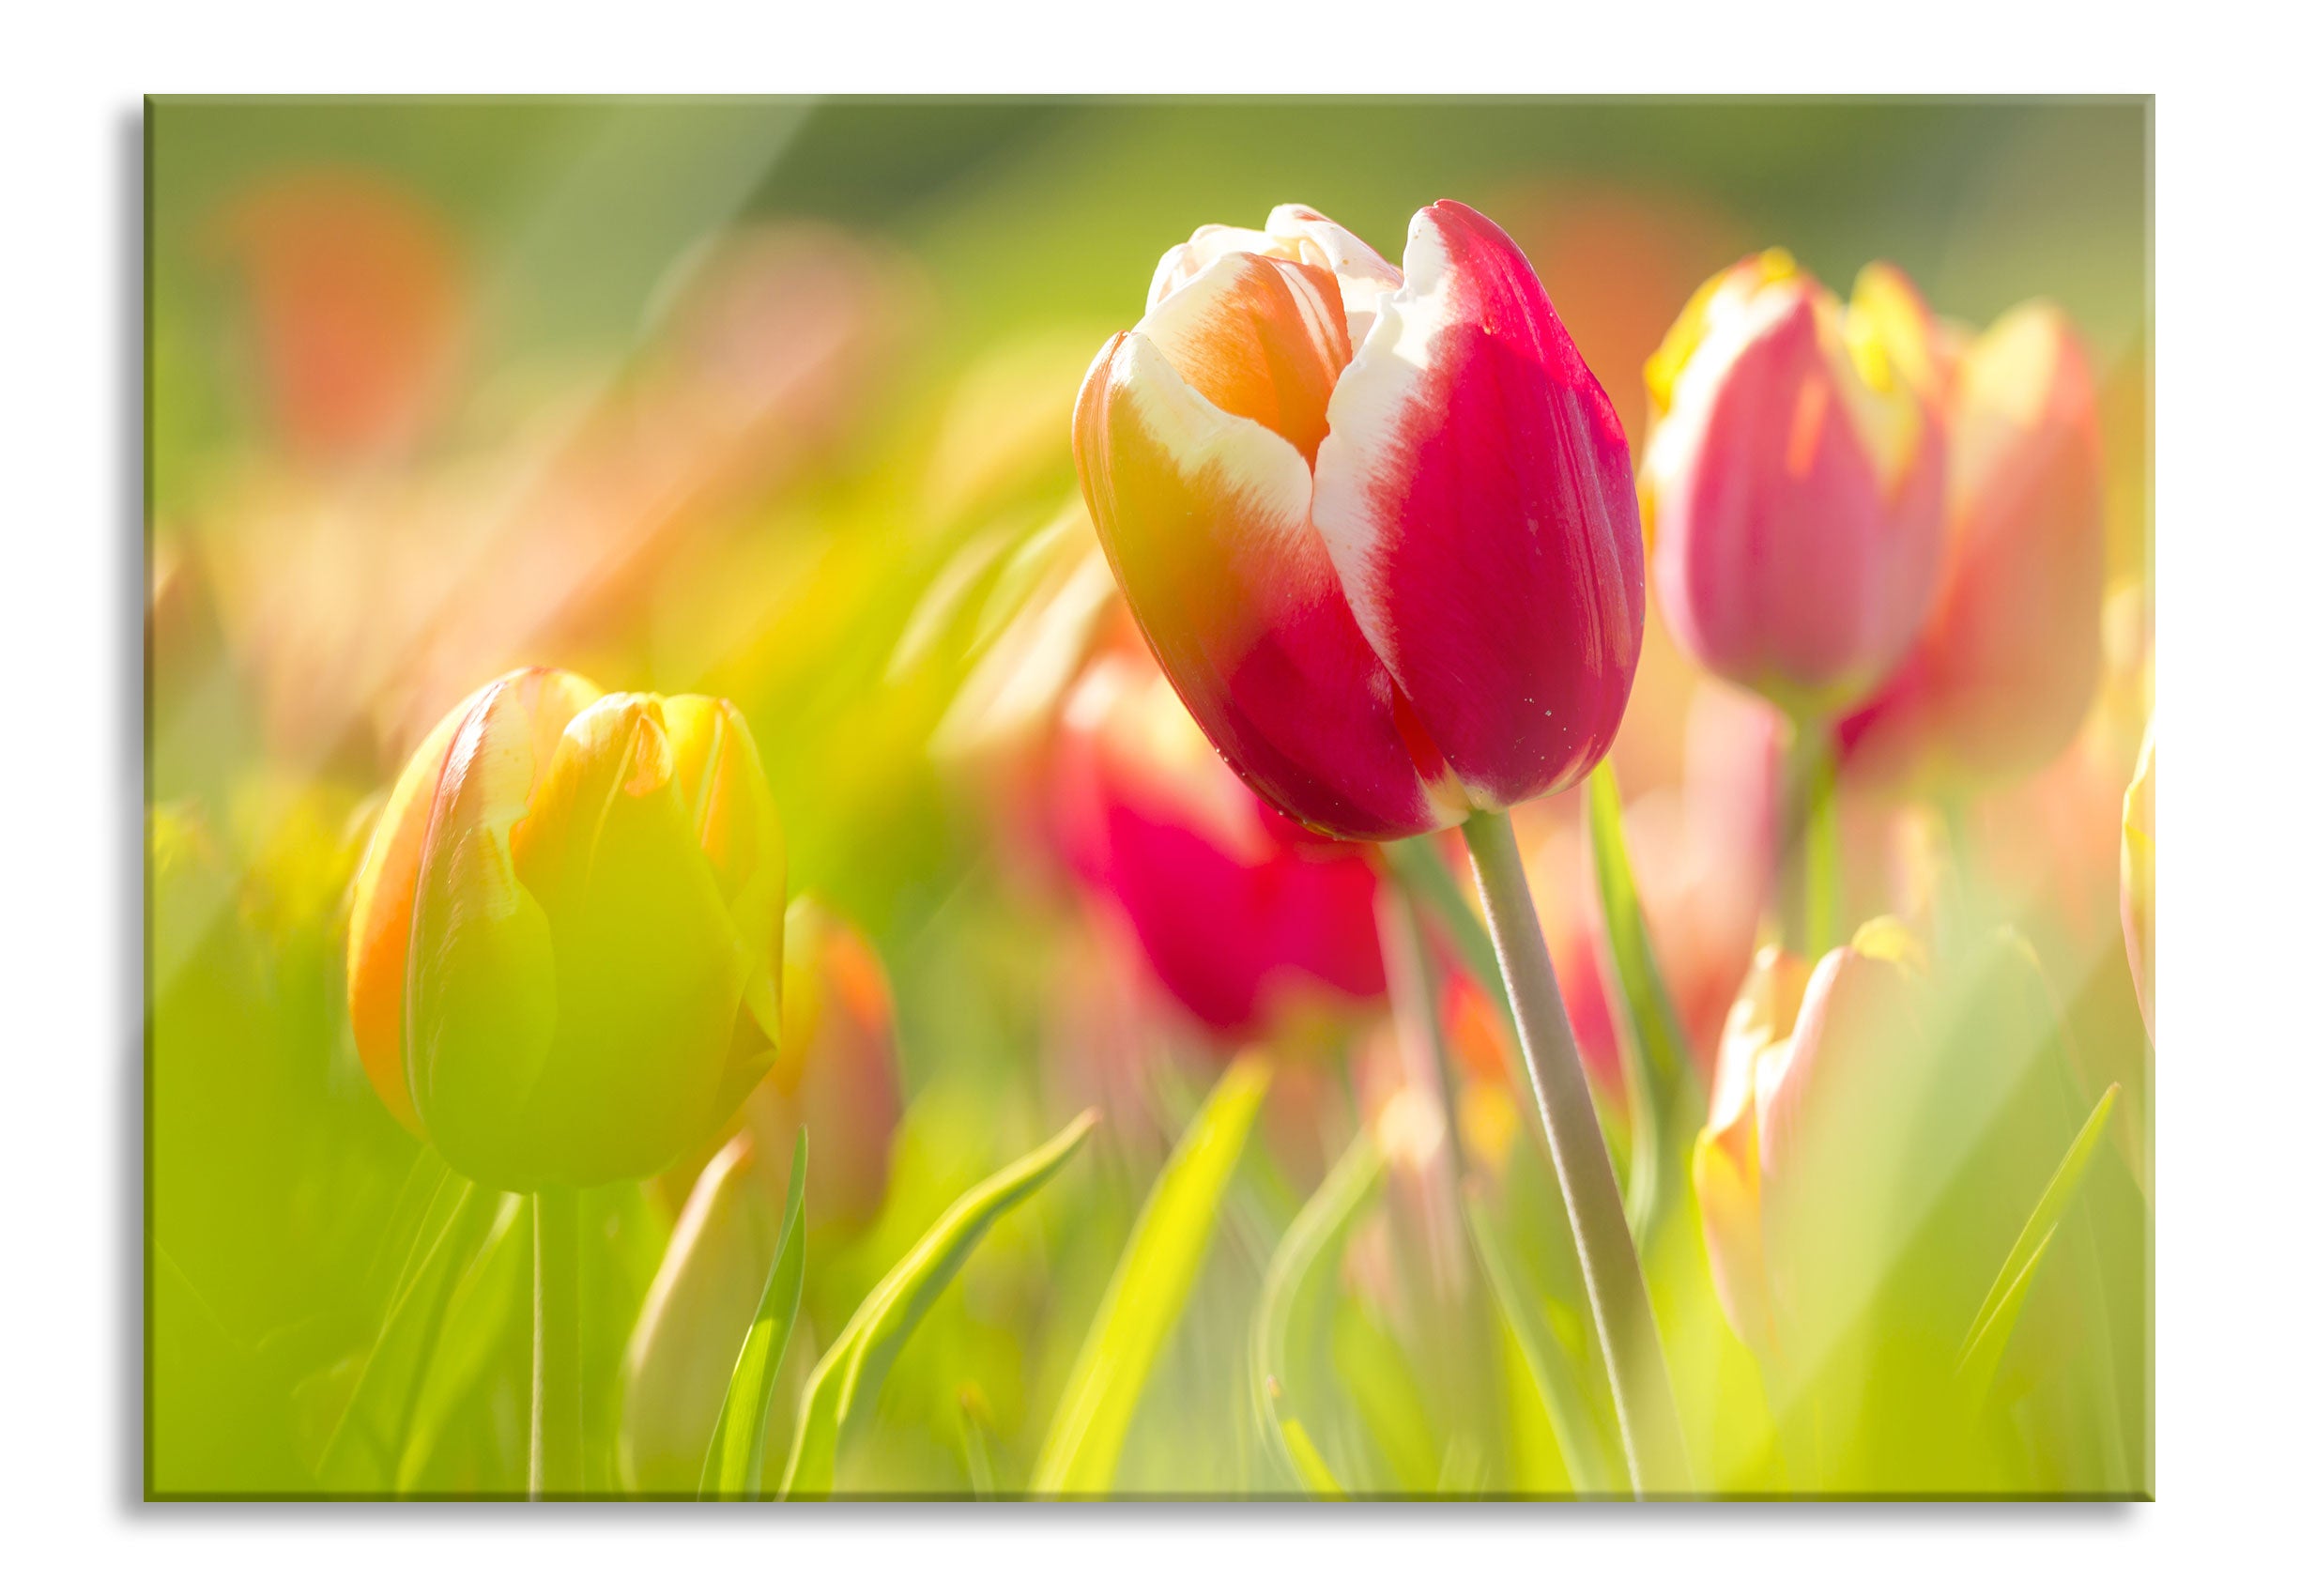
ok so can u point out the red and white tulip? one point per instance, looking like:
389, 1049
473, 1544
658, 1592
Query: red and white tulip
1378, 526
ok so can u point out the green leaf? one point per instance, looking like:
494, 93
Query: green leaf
472, 1333
1149, 1289
1591, 1462
363, 1451
974, 1431
1422, 870
847, 1379
1992, 1326
1281, 1336
1381, 1381
736, 1464
1662, 1110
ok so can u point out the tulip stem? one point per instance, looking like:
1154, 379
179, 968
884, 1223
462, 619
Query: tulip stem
1654, 1444
555, 1454
1805, 887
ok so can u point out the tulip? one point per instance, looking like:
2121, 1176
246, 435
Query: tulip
1801, 1044
1379, 529
566, 935
1793, 480
358, 295
2001, 675
837, 1074
1378, 526
2138, 878
1243, 917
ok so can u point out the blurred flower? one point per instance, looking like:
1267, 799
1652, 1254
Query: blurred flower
566, 937
357, 287
692, 1325
2006, 664
365, 606
1240, 913
2137, 876
1793, 478
837, 1073
1801, 1041
1379, 528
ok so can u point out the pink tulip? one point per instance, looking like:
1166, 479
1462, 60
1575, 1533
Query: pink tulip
1240, 914
1378, 526
1793, 480
2009, 656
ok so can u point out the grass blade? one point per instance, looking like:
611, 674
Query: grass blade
974, 1431
1422, 870
736, 1464
1305, 1262
478, 1322
1590, 1464
363, 1451
1149, 1289
847, 1379
1654, 1040
1992, 1326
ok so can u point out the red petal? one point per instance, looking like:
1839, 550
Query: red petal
1205, 519
1476, 496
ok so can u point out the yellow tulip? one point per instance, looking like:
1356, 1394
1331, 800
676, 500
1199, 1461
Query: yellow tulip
566, 936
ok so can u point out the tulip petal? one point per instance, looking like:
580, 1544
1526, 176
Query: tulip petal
651, 970
1476, 498
1203, 248
1261, 338
2006, 666
383, 896
1783, 558
382, 905
483, 982
735, 822
1205, 519
1363, 275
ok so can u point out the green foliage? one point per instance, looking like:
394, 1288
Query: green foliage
1149, 1289
735, 1465
1664, 1105
1296, 1309
848, 1377
1992, 1326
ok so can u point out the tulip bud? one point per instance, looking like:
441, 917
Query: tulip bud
2000, 678
837, 1074
1793, 480
691, 1327
566, 936
1240, 914
2138, 878
1800, 1043
1378, 526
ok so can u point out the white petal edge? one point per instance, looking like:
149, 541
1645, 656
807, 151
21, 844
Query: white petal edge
1358, 266
1261, 469
1361, 447
1201, 250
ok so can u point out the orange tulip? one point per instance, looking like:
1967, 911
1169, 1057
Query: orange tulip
2000, 678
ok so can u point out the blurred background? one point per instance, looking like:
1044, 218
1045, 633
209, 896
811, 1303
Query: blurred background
770, 399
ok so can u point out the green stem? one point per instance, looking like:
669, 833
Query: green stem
555, 1454
1805, 889
1626, 1331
